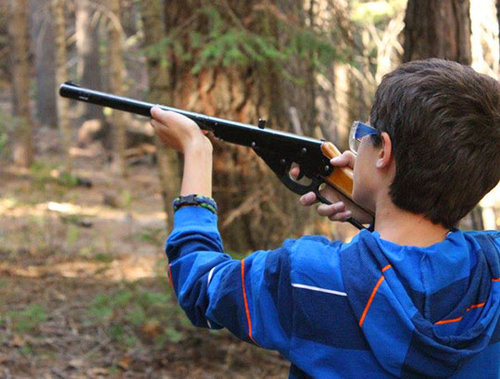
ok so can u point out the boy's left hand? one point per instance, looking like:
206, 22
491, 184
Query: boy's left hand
177, 131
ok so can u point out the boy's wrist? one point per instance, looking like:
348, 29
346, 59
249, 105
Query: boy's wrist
195, 200
197, 177
198, 145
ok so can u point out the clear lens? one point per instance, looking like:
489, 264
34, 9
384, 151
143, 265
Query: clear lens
353, 141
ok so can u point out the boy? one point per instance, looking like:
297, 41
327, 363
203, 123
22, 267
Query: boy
416, 297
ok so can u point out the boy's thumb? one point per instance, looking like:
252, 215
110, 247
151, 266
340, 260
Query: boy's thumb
157, 112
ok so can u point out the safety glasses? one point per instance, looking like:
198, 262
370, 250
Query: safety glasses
358, 131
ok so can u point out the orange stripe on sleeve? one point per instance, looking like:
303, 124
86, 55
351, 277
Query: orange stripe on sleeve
475, 306
375, 289
247, 310
369, 303
386, 268
170, 277
448, 321
495, 280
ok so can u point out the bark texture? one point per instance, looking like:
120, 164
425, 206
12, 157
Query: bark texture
58, 13
19, 38
437, 28
168, 160
117, 72
256, 210
87, 45
44, 56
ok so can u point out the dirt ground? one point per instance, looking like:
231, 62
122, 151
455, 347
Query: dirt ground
83, 290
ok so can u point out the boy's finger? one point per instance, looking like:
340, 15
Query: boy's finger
308, 199
155, 124
330, 210
294, 172
156, 112
168, 117
341, 216
347, 158
171, 118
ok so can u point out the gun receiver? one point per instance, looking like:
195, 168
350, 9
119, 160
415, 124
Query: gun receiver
278, 149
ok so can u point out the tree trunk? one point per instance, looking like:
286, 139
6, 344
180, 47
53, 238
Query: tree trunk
437, 28
87, 46
255, 209
168, 162
117, 71
43, 41
498, 15
58, 13
18, 29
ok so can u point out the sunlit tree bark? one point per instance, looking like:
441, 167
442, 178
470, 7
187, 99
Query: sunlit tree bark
87, 46
44, 56
256, 210
498, 14
168, 162
116, 84
437, 28
58, 14
18, 31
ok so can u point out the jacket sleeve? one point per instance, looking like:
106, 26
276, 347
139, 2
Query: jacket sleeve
251, 297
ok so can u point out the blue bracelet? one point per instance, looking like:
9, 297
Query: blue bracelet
195, 200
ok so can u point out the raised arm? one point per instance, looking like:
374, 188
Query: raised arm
183, 135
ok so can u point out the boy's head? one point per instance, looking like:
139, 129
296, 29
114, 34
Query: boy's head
443, 120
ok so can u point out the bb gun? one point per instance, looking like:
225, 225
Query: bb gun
280, 150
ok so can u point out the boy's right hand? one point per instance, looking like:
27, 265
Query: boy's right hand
342, 208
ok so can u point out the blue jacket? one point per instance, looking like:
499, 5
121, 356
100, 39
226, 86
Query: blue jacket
364, 309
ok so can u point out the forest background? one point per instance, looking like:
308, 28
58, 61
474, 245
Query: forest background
85, 192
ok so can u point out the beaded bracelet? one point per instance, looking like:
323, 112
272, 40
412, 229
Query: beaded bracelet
196, 200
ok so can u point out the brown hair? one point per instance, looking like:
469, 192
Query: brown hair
444, 122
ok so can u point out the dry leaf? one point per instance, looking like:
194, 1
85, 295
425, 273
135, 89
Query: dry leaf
125, 363
152, 328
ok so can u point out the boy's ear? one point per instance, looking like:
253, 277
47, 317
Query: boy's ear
385, 154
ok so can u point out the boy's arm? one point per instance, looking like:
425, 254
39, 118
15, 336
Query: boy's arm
250, 297
183, 135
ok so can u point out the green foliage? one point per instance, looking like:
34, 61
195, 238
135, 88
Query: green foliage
126, 198
155, 236
7, 124
72, 235
28, 319
376, 12
67, 180
103, 257
217, 39
40, 171
131, 315
44, 173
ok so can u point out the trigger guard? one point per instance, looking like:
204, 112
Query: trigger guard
321, 198
301, 189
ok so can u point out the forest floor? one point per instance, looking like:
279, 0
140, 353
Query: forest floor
83, 290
